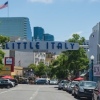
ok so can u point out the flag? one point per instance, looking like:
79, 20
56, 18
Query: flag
4, 5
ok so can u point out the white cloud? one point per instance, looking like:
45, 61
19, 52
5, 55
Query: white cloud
95, 0
51, 1
42, 1
83, 0
79, 32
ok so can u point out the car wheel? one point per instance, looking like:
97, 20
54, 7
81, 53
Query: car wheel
93, 98
59, 88
75, 96
78, 97
98, 98
72, 92
8, 86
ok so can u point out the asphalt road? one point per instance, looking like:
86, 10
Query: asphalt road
34, 92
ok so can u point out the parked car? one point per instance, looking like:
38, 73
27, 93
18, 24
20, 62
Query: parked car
5, 83
15, 81
53, 82
41, 81
8, 80
85, 89
68, 85
71, 86
96, 92
61, 84
65, 86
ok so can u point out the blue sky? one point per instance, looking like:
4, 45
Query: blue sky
61, 18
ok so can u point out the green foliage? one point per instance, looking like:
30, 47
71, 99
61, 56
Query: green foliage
3, 39
60, 68
40, 69
70, 61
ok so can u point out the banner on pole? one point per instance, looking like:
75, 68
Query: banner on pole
96, 70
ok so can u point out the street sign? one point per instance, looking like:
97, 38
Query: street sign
41, 46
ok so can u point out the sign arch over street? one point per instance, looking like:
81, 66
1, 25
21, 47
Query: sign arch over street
41, 46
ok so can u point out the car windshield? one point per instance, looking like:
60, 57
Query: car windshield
75, 82
53, 80
90, 84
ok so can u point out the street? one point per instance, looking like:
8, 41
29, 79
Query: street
34, 92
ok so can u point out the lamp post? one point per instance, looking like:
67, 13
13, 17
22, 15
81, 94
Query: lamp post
92, 59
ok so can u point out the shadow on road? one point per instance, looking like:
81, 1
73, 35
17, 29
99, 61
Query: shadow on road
84, 99
55, 87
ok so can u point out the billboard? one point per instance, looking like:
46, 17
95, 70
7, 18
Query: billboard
96, 70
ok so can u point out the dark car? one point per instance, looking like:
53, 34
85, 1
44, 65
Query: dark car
5, 84
71, 86
41, 81
15, 81
85, 89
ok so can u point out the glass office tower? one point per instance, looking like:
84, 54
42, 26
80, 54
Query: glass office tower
15, 27
48, 37
38, 33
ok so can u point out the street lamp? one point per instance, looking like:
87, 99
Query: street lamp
92, 58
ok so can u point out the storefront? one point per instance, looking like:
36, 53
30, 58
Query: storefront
18, 71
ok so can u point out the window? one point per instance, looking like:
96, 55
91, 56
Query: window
81, 84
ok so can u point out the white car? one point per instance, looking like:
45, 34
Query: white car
53, 82
61, 84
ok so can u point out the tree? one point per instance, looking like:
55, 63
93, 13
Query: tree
60, 67
3, 39
39, 70
77, 59
71, 61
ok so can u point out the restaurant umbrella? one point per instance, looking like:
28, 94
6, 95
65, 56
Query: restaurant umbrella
7, 77
79, 79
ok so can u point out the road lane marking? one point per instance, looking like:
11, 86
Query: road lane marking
31, 98
34, 94
7, 91
3, 92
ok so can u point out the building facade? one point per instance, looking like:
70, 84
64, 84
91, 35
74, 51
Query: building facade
39, 57
22, 59
15, 27
48, 37
94, 48
38, 33
86, 47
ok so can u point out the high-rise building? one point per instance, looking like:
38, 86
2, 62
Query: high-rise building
15, 27
48, 37
38, 33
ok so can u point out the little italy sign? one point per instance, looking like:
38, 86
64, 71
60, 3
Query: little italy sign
40, 46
